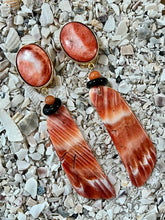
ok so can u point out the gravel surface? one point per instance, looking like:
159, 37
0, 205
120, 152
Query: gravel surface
131, 37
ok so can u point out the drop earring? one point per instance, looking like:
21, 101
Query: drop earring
79, 164
132, 142
81, 167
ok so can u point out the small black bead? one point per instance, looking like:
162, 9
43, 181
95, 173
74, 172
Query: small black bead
51, 109
97, 82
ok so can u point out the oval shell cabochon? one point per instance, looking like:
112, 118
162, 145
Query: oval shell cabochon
34, 65
79, 42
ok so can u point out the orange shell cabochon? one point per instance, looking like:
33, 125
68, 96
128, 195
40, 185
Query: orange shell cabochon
34, 65
78, 42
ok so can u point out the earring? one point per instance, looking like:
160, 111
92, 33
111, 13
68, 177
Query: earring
81, 167
133, 144
79, 164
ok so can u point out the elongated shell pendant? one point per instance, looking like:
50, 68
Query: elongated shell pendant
80, 165
132, 142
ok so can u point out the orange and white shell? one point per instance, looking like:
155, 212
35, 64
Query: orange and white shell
132, 142
81, 167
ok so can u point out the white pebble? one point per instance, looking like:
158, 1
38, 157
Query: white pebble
161, 144
116, 38
13, 133
151, 6
35, 156
89, 110
98, 204
87, 207
124, 42
141, 88
110, 24
121, 200
69, 203
124, 87
31, 141
82, 74
36, 210
46, 17
31, 172
18, 177
115, 8
13, 40
57, 190
151, 215
29, 123
161, 22
21, 154
147, 201
3, 140
70, 105
45, 31
21, 216
64, 5
22, 165
35, 32
31, 187
67, 188
101, 214
126, 4
49, 151
127, 50
122, 28
31, 202
5, 10
78, 208
162, 207
110, 214
103, 59
162, 78
41, 149
18, 20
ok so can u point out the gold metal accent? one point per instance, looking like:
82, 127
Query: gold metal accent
44, 91
50, 81
82, 63
91, 66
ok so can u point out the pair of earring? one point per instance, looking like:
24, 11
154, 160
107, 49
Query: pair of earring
132, 143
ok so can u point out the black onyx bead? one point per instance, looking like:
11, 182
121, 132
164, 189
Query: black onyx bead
51, 109
97, 82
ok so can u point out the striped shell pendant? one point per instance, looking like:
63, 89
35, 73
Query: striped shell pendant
81, 167
132, 142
